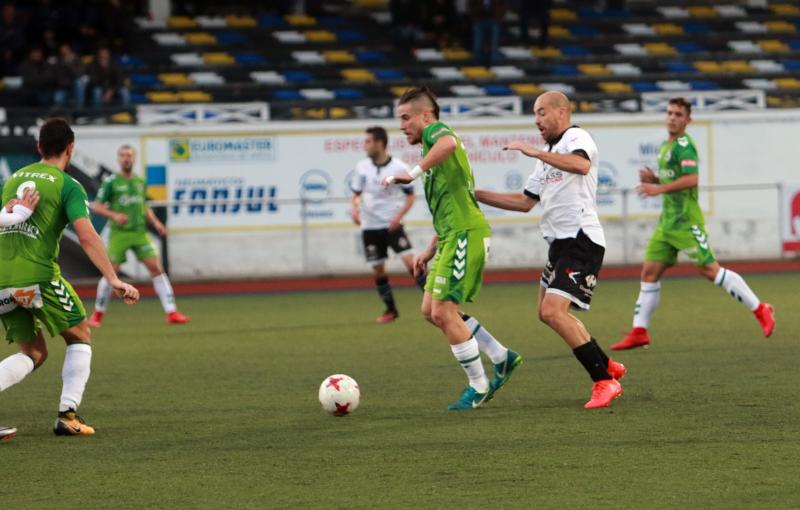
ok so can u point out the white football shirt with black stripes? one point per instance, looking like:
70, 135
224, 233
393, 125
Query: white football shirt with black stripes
378, 204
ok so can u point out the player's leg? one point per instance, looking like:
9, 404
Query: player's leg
660, 255
505, 360
148, 255
118, 245
376, 250
401, 245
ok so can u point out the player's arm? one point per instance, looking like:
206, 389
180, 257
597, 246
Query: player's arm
683, 182
96, 251
19, 210
576, 162
421, 260
407, 205
355, 207
99, 207
522, 202
442, 149
153, 220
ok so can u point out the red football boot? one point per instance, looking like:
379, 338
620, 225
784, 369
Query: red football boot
96, 320
766, 317
387, 317
603, 392
637, 337
616, 369
177, 317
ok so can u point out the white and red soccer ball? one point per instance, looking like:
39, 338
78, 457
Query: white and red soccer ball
339, 394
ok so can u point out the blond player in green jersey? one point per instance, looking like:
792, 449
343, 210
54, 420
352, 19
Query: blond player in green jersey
460, 246
123, 199
33, 294
681, 228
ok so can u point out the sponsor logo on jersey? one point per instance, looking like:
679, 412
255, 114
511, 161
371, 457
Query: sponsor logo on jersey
688, 162
591, 281
572, 274
35, 175
683, 141
22, 188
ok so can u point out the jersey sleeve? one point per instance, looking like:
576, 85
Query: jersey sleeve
401, 166
357, 181
74, 200
580, 142
435, 131
533, 188
687, 156
104, 193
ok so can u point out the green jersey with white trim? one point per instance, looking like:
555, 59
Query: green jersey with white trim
29, 250
680, 209
450, 186
126, 196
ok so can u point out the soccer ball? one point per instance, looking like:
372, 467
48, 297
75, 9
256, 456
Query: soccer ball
339, 394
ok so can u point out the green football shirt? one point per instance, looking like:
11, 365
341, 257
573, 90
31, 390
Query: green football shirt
29, 250
450, 187
680, 209
126, 196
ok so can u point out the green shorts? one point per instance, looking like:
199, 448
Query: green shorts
23, 310
456, 273
120, 242
665, 245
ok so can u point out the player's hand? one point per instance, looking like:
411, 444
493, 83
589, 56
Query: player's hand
29, 199
420, 265
125, 291
356, 215
395, 223
649, 190
523, 148
401, 178
161, 230
646, 174
10, 204
120, 219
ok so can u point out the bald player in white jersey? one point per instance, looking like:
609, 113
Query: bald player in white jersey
564, 181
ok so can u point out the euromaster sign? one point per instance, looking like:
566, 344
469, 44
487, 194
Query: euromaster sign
257, 180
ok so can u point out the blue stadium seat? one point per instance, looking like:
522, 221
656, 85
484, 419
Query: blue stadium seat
696, 27
348, 93
350, 36
645, 86
575, 51
791, 65
230, 38
680, 67
130, 61
582, 30
287, 95
704, 85
498, 90
145, 80
330, 21
298, 76
138, 98
688, 47
389, 74
249, 58
370, 56
589, 13
271, 21
795, 43
564, 70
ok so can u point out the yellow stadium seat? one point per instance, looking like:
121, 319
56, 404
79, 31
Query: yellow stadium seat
175, 79
477, 73
181, 22
560, 14
320, 36
773, 45
122, 118
708, 66
785, 9
737, 66
241, 21
200, 38
301, 20
526, 89
559, 32
399, 91
218, 58
339, 56
371, 4
780, 26
702, 11
788, 83
668, 29
456, 54
593, 69
194, 96
162, 97
615, 87
358, 75
549, 52
660, 48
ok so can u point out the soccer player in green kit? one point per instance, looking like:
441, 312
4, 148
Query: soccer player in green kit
681, 227
123, 199
33, 294
460, 246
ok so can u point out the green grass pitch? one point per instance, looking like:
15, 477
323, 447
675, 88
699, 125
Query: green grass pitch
223, 412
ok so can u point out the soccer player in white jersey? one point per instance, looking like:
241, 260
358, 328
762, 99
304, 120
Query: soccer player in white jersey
565, 183
380, 211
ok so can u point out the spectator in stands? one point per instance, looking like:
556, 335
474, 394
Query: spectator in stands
540, 9
70, 77
107, 81
12, 39
487, 17
116, 24
37, 79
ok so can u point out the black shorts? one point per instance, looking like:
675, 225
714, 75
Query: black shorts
377, 243
572, 268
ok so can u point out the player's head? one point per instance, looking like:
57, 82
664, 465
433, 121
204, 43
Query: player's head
416, 109
126, 155
679, 115
553, 113
56, 140
375, 142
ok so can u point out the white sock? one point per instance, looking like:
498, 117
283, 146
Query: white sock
736, 287
103, 295
164, 290
468, 354
486, 342
75, 374
649, 296
13, 369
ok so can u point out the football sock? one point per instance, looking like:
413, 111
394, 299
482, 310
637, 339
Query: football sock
736, 287
469, 356
421, 280
591, 359
487, 343
75, 374
603, 355
13, 369
385, 292
103, 295
164, 290
649, 296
